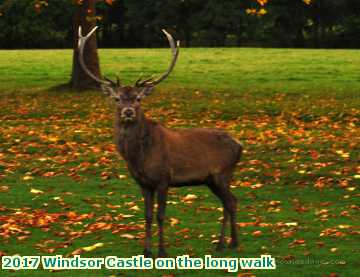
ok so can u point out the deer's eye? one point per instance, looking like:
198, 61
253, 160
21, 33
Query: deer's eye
138, 98
117, 99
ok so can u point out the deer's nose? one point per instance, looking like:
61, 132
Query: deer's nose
128, 112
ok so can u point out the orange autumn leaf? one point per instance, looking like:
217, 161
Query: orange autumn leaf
257, 233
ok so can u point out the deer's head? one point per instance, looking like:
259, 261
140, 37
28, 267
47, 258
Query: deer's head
127, 98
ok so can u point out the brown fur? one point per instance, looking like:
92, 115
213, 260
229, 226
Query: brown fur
159, 158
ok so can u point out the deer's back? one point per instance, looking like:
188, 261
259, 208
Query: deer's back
192, 155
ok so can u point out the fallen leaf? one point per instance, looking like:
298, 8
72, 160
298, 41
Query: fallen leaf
189, 198
77, 252
127, 236
4, 188
291, 224
22, 238
274, 203
287, 234
299, 241
134, 208
257, 233
256, 186
182, 231
174, 221
36, 191
93, 247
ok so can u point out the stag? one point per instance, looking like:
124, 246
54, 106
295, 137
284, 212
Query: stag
159, 158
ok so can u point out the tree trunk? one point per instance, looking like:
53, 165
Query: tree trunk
84, 16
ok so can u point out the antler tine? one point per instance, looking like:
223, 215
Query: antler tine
110, 81
81, 45
142, 83
175, 52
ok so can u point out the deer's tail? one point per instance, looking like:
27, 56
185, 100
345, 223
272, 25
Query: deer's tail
238, 150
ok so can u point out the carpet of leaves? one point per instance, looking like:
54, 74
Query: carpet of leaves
61, 137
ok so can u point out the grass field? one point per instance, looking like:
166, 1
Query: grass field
297, 113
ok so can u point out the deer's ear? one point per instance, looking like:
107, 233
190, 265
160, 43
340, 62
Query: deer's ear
146, 91
107, 90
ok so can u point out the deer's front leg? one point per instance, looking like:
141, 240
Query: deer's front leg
148, 195
161, 199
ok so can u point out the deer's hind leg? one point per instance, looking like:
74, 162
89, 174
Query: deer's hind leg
220, 186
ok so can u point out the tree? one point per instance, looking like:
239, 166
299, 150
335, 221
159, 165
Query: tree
23, 25
128, 23
37, 28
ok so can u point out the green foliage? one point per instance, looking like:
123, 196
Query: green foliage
126, 23
22, 26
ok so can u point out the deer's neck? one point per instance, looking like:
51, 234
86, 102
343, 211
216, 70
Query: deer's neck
133, 142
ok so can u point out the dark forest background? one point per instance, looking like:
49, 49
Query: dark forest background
205, 23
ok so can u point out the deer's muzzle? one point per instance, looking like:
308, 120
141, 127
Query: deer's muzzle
128, 114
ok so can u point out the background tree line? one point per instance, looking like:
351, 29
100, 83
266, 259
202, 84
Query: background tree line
128, 23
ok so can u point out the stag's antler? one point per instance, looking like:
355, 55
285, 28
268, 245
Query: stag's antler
175, 52
81, 44
150, 82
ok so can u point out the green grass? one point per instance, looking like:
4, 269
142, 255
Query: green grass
233, 69
295, 111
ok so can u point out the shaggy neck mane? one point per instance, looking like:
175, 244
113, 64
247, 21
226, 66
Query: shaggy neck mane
133, 141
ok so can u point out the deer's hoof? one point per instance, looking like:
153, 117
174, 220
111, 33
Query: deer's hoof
162, 253
233, 244
219, 247
147, 253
